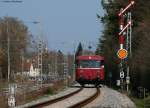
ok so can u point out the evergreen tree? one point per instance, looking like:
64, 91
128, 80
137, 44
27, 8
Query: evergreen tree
109, 43
79, 50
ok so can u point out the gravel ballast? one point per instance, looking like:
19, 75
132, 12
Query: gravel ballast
47, 98
111, 99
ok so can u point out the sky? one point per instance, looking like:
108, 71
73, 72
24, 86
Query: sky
63, 23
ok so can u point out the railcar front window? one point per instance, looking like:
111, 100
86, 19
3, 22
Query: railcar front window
89, 64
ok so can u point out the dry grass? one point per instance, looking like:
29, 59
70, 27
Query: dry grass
25, 96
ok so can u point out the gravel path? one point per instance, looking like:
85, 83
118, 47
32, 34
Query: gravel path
111, 99
84, 94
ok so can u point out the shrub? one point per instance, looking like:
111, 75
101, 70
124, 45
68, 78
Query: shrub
50, 91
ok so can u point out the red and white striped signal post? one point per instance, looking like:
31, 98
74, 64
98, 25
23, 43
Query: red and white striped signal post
124, 27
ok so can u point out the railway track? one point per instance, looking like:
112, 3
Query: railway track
76, 99
72, 100
87, 101
40, 105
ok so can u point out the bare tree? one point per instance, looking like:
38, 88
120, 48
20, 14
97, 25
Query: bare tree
18, 40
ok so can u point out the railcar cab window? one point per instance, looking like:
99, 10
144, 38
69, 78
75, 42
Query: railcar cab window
88, 64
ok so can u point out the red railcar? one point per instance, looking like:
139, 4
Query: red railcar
90, 69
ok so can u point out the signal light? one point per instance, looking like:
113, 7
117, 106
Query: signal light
122, 53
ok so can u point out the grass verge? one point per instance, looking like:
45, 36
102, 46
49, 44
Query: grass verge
138, 102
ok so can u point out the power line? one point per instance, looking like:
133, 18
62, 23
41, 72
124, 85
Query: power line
12, 1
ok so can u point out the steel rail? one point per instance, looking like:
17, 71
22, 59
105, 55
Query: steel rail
87, 101
40, 105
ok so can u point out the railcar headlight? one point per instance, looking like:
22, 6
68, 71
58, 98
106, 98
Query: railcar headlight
102, 66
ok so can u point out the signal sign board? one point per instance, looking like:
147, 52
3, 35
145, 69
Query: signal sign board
11, 101
121, 74
122, 53
128, 80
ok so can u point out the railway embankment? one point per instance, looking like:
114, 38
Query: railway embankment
110, 98
48, 98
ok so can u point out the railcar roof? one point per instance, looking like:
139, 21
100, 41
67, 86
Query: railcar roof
90, 57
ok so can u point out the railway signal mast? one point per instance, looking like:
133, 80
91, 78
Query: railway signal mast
125, 32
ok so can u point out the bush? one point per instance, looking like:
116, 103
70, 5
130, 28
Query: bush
147, 102
50, 91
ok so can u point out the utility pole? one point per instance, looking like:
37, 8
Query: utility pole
22, 60
74, 59
130, 18
56, 64
49, 71
66, 69
8, 50
144, 97
40, 54
129, 47
11, 98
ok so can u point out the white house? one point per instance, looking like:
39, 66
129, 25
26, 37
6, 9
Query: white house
33, 72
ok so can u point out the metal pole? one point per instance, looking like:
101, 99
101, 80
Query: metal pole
121, 70
11, 98
122, 84
127, 40
127, 79
55, 74
129, 33
41, 64
40, 48
48, 69
74, 46
128, 47
130, 17
8, 51
66, 69
144, 97
22, 69
38, 65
